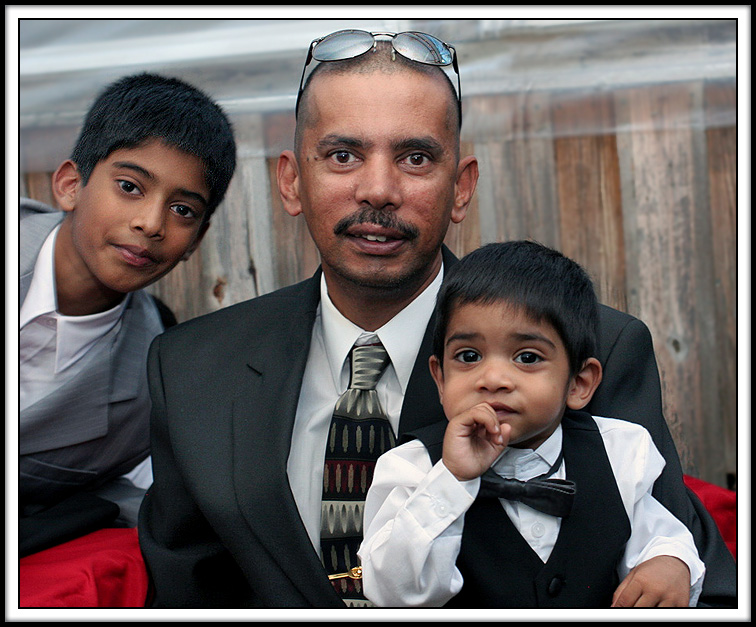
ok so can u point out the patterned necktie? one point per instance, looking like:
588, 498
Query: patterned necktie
359, 434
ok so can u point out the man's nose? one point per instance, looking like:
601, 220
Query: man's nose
379, 184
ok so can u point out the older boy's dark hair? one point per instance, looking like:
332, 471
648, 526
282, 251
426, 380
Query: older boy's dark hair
548, 286
137, 108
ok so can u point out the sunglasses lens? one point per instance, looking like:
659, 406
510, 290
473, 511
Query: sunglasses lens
423, 48
344, 44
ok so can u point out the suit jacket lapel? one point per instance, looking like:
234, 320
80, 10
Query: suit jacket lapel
81, 408
421, 404
140, 324
32, 232
263, 422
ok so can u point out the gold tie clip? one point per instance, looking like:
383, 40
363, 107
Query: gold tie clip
354, 573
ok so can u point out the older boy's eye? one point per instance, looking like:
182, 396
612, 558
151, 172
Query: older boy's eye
528, 358
128, 187
183, 211
467, 356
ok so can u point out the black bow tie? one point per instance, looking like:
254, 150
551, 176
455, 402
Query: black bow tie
550, 496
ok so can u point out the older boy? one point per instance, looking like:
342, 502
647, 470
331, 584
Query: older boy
153, 160
514, 364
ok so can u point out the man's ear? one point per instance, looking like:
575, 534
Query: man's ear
464, 188
437, 373
66, 181
287, 174
584, 384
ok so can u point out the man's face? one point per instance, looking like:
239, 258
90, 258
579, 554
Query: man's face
378, 177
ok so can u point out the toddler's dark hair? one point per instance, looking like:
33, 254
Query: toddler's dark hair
544, 283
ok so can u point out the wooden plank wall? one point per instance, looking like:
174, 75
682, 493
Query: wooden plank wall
637, 184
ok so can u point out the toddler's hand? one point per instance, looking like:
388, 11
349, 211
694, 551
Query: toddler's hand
473, 441
662, 581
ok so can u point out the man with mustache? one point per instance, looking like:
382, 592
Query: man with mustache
250, 507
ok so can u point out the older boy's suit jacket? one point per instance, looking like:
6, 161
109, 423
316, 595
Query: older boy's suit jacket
96, 427
220, 527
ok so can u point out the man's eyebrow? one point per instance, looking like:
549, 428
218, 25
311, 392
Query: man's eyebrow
427, 144
130, 165
332, 141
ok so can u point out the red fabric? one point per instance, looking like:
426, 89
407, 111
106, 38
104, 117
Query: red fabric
106, 569
721, 504
101, 569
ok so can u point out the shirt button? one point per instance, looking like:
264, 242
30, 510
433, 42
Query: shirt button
538, 529
555, 586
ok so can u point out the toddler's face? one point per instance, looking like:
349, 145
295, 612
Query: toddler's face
496, 354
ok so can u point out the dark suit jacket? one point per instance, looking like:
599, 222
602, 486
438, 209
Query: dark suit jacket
220, 526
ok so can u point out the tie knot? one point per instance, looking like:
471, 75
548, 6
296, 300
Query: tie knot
368, 363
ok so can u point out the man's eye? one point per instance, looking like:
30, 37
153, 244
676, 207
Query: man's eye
342, 156
417, 159
467, 356
528, 358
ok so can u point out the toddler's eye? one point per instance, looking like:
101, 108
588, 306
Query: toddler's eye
467, 356
527, 358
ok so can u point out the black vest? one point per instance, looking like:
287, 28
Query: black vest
582, 569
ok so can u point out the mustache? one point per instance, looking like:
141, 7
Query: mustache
384, 219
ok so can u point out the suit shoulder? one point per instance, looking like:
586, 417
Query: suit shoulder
611, 318
28, 206
614, 324
261, 312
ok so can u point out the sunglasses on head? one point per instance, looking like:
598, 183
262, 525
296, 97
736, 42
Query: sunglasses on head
415, 46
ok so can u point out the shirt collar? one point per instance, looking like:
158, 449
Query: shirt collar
40, 299
525, 463
401, 336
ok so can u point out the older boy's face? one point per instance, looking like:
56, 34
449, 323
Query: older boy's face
138, 215
497, 355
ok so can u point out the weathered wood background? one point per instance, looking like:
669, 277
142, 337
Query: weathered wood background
636, 182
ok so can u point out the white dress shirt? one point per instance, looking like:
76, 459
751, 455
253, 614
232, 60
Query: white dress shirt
414, 516
53, 348
326, 377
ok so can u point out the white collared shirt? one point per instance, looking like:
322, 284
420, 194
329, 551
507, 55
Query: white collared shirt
414, 514
52, 347
326, 377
